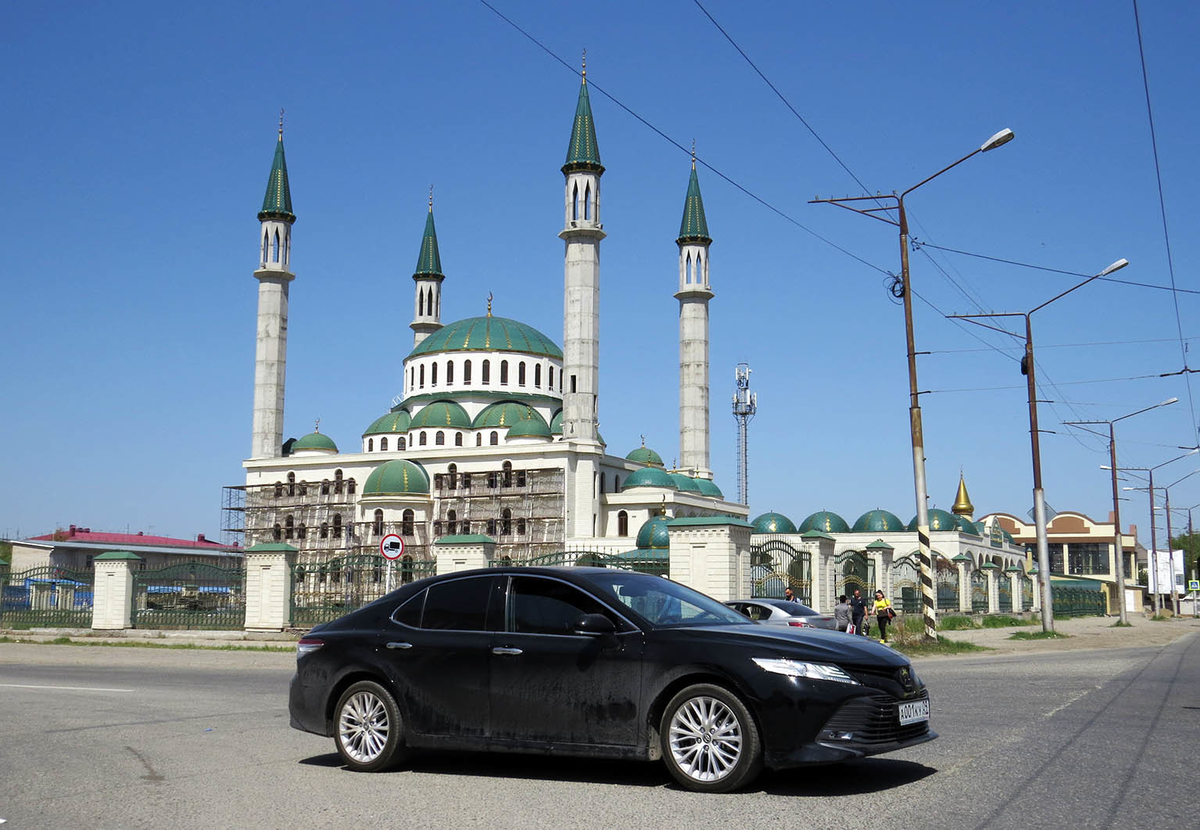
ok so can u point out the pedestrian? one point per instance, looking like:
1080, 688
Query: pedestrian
883, 614
788, 594
841, 614
858, 612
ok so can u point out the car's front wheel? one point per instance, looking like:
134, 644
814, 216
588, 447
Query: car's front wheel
710, 742
368, 729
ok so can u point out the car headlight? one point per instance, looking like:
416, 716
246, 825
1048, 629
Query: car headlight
799, 668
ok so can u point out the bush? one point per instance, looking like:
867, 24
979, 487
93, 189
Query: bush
1002, 621
955, 623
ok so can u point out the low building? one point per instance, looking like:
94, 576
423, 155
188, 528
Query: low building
75, 548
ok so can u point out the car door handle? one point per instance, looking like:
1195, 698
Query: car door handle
503, 650
399, 645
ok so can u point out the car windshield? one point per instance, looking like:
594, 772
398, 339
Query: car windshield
796, 609
662, 602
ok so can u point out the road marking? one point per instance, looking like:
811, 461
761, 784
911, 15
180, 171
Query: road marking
62, 688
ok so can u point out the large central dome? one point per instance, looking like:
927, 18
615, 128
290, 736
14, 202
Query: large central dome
488, 334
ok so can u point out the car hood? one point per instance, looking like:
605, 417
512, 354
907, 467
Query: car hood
797, 643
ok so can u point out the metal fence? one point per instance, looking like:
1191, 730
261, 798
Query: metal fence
1004, 589
1078, 602
46, 597
190, 595
979, 592
328, 590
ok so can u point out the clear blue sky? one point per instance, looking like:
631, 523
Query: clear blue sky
138, 138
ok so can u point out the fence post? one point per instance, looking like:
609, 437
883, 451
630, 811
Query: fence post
462, 553
1018, 598
964, 583
993, 589
112, 589
269, 586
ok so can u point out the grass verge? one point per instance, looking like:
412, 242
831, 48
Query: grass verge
1004, 621
1038, 635
67, 641
943, 645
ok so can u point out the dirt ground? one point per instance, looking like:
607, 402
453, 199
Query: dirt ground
1083, 633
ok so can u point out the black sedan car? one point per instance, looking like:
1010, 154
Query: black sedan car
598, 662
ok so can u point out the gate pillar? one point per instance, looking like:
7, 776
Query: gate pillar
993, 589
462, 553
1018, 597
112, 597
269, 586
964, 582
712, 555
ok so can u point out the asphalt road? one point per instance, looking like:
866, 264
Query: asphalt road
124, 737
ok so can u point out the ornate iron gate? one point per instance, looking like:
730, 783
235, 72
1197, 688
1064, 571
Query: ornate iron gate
906, 585
1005, 594
979, 592
855, 570
1026, 593
46, 597
193, 595
946, 582
323, 592
776, 565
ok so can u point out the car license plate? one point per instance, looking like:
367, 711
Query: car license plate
914, 712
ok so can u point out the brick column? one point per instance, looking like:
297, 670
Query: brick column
112, 597
463, 553
712, 555
269, 586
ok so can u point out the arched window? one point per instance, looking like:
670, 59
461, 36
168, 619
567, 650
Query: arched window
466, 528
622, 523
466, 371
291, 484
451, 522
383, 444
423, 440
370, 445
377, 526
325, 487
503, 372
412, 377
449, 372
421, 377
406, 523
458, 439
466, 481
452, 474
494, 439
437, 481
520, 478
616, 484
420, 303
437, 529
575, 201
587, 202
521, 373
324, 530
521, 527
337, 481
687, 269
537, 375
265, 246
550, 378
337, 525
505, 522
486, 372
440, 438
602, 483
492, 480
433, 375
289, 527
350, 486
278, 532
403, 445
491, 527
275, 248
479, 439
507, 477
279, 489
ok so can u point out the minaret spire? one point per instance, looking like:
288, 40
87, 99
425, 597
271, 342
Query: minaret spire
962, 502
693, 295
428, 278
274, 276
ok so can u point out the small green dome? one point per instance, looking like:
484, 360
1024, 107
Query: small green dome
653, 535
502, 414
441, 414
938, 520
878, 521
967, 526
645, 455
488, 334
397, 477
773, 523
826, 522
709, 488
315, 441
649, 477
685, 484
556, 423
531, 426
397, 421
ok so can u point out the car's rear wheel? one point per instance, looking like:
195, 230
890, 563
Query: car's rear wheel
368, 730
710, 742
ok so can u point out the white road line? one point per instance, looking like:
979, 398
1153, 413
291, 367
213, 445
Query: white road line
62, 688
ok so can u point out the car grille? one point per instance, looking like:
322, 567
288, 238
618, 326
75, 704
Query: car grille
874, 719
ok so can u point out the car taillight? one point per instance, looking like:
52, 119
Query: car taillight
798, 624
307, 646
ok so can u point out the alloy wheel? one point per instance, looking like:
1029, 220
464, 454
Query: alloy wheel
363, 727
705, 739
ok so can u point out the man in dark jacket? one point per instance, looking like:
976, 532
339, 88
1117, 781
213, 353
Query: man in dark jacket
858, 611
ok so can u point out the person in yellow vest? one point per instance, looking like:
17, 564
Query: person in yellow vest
883, 614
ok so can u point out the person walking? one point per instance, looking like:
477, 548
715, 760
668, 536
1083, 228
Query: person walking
883, 614
789, 594
858, 612
841, 614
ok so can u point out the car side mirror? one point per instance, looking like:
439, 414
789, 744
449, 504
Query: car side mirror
594, 624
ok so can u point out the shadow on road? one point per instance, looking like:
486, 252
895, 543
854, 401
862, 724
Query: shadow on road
857, 778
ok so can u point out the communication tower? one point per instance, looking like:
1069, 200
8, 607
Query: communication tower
745, 404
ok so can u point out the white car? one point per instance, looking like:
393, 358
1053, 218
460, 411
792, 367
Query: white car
782, 612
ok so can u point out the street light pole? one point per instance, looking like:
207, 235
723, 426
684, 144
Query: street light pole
1118, 543
1039, 495
928, 596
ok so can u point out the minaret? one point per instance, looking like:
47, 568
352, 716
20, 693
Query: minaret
962, 502
582, 233
428, 277
273, 275
693, 295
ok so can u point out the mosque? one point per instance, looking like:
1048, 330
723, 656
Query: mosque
496, 431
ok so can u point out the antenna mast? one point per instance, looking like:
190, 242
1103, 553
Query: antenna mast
745, 404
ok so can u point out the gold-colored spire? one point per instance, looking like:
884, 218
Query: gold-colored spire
962, 502
489, 314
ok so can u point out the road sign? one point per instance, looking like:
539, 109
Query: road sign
391, 546
1194, 584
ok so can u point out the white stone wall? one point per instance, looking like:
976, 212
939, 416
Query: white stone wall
270, 362
413, 386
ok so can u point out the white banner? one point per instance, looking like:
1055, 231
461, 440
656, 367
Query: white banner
1160, 572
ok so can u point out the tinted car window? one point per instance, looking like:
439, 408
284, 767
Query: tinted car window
546, 606
661, 601
757, 612
410, 612
460, 604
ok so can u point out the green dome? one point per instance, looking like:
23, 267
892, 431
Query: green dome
488, 334
709, 488
531, 426
826, 522
645, 455
773, 523
397, 421
938, 520
315, 441
649, 477
653, 535
396, 477
556, 423
878, 521
685, 484
441, 414
966, 525
502, 414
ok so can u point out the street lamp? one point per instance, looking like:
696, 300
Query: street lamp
1039, 499
1153, 524
888, 203
1117, 542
